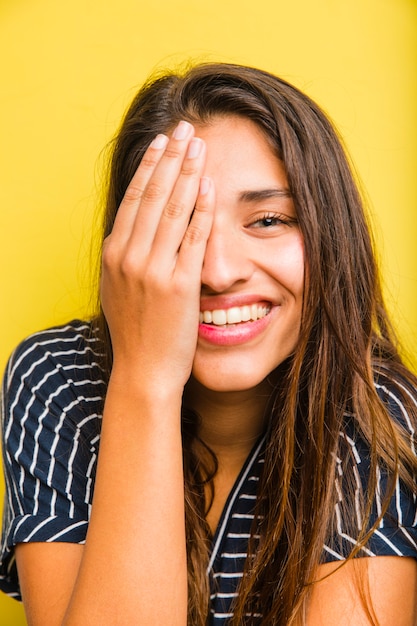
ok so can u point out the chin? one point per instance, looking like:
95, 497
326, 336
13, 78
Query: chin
223, 381
237, 370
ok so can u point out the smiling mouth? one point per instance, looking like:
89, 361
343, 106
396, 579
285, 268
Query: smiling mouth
235, 315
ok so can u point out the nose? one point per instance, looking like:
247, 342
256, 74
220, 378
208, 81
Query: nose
226, 261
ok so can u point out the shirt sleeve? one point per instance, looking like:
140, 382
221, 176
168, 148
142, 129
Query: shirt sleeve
396, 533
51, 411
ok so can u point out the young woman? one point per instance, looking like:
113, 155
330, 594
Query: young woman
231, 440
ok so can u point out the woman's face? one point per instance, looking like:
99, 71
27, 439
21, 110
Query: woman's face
253, 272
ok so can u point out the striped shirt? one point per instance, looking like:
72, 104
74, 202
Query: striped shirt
52, 399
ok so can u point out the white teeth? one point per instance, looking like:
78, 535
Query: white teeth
245, 313
234, 315
219, 317
207, 317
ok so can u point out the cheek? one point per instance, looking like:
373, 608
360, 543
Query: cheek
289, 267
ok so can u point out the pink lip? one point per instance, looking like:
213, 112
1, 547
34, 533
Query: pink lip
233, 335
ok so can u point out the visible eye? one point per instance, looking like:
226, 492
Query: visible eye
272, 219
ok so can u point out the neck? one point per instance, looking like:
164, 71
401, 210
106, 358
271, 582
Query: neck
231, 422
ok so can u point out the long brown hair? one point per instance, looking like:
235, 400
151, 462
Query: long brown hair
345, 341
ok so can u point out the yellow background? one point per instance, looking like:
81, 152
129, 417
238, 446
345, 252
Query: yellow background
69, 69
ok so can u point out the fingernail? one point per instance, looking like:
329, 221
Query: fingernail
194, 148
181, 130
159, 142
204, 186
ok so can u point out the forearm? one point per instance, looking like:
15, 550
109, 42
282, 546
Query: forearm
133, 568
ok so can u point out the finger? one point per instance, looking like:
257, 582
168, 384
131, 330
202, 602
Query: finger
157, 193
194, 243
177, 212
127, 211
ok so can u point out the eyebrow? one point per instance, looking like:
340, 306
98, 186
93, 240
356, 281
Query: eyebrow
264, 194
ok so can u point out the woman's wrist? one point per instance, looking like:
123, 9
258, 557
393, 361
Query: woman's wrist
151, 393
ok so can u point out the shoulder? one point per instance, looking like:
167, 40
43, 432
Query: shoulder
51, 369
400, 399
62, 346
390, 432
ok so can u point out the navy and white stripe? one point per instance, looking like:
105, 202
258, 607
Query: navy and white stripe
51, 407
51, 404
230, 543
396, 534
